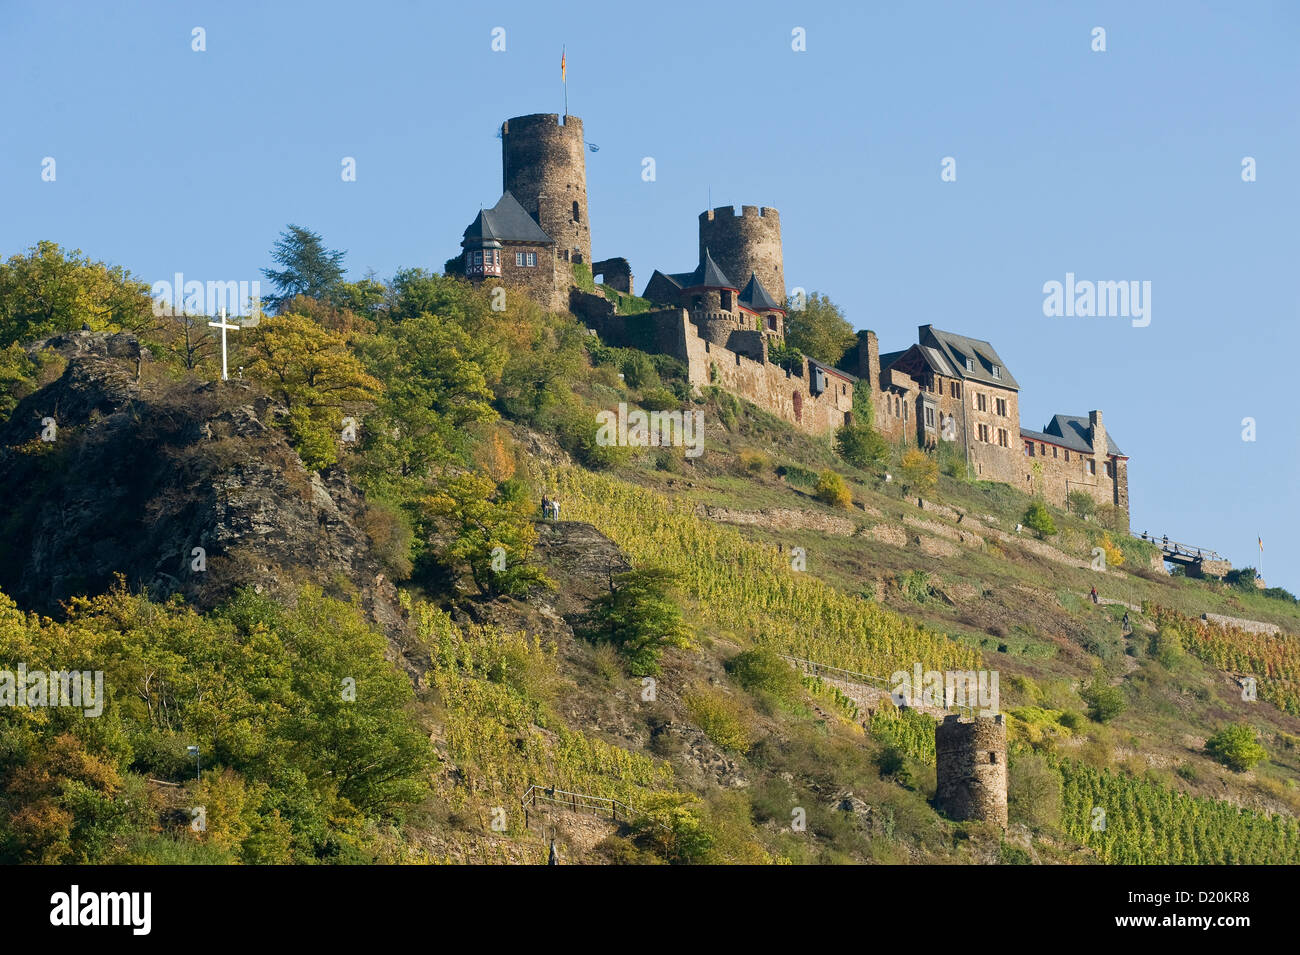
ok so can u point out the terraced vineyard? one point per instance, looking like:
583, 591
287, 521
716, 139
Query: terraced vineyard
1144, 823
499, 733
1274, 660
749, 590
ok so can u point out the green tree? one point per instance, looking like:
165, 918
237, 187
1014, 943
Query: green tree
819, 330
640, 617
436, 390
786, 356
306, 267
1237, 747
313, 373
1039, 520
47, 291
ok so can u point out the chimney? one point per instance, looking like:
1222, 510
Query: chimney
1097, 433
868, 358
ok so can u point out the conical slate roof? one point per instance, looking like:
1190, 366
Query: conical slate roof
709, 275
755, 296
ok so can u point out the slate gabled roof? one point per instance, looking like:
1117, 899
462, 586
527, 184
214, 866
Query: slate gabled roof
955, 349
755, 298
1075, 431
832, 370
507, 221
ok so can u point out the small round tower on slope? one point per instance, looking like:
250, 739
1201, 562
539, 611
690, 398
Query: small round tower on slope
745, 243
971, 768
543, 163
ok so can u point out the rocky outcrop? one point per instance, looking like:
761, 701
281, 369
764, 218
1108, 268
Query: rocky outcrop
178, 487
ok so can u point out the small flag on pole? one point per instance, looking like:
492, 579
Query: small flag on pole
563, 70
1261, 544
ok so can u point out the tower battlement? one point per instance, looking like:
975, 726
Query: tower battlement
543, 164
745, 243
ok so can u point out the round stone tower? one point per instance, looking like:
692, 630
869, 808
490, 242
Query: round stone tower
745, 243
543, 162
971, 768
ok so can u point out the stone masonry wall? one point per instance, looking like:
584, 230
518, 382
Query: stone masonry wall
971, 768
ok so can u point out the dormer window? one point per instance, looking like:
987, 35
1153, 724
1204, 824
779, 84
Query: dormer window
997, 371
970, 364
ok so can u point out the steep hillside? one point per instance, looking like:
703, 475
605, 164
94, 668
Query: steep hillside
388, 653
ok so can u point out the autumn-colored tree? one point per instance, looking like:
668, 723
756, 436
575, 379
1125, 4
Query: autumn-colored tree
311, 371
495, 459
489, 536
920, 471
47, 291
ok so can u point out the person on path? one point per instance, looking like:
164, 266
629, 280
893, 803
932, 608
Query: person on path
1093, 595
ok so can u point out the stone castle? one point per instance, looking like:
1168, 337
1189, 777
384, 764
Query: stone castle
725, 319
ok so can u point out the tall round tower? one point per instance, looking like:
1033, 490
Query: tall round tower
971, 768
543, 164
745, 243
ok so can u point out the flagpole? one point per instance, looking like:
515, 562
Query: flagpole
564, 76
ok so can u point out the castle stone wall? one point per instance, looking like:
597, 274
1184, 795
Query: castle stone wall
971, 768
744, 243
616, 273
544, 165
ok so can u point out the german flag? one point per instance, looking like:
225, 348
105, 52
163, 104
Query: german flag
563, 71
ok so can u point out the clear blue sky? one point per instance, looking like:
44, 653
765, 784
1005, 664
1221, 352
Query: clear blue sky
1117, 165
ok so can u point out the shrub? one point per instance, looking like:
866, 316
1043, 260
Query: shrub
831, 489
861, 447
920, 472
952, 461
1039, 520
1009, 854
797, 476
764, 672
1236, 747
1114, 555
670, 827
1080, 503
914, 585
1243, 579
1105, 702
659, 399
390, 536
639, 371
1034, 792
754, 462
721, 717
1166, 646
